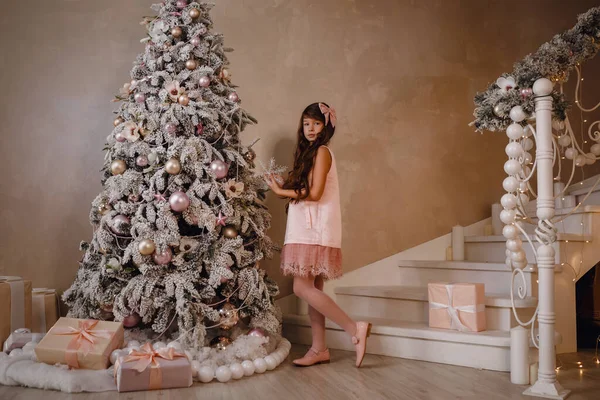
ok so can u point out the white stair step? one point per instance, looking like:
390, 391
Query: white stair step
410, 303
415, 340
493, 248
579, 222
495, 275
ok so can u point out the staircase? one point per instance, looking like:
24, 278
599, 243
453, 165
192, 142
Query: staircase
392, 293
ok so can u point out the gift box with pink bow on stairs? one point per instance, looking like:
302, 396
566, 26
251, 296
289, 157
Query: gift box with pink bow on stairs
457, 306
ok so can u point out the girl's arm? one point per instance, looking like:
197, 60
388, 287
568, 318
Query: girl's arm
316, 182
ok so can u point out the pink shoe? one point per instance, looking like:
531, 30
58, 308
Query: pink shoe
313, 357
363, 331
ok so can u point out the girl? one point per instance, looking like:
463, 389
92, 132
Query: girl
313, 238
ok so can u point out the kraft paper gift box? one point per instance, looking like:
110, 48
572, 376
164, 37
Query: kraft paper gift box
80, 343
457, 306
15, 305
44, 309
149, 369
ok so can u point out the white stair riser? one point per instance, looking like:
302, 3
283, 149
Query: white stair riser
494, 281
497, 318
463, 354
570, 224
496, 251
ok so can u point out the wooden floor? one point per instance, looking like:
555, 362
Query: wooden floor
379, 378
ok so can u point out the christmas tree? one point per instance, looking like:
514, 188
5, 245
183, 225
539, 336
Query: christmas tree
179, 227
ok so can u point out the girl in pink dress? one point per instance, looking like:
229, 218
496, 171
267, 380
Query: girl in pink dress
313, 239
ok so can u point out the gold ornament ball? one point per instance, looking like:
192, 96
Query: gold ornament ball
220, 343
250, 155
230, 232
173, 166
176, 32
118, 167
118, 121
146, 247
194, 13
103, 208
229, 316
191, 64
184, 100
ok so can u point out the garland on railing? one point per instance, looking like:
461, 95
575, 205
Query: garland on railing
553, 60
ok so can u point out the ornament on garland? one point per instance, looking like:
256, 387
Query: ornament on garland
177, 32
195, 41
194, 13
171, 128
117, 167
173, 166
118, 121
219, 168
174, 89
141, 161
498, 111
139, 97
234, 189
228, 316
131, 320
184, 100
204, 81
257, 332
233, 96
220, 343
146, 247
119, 137
103, 208
181, 4
225, 75
131, 131
120, 225
164, 257
230, 232
179, 201
221, 219
506, 84
191, 64
250, 155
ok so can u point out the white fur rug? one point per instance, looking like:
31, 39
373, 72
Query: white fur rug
22, 371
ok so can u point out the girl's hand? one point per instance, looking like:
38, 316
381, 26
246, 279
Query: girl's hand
273, 184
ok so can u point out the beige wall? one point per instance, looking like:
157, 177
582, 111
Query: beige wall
401, 73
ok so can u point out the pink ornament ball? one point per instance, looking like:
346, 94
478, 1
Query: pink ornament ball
204, 81
132, 320
257, 332
233, 96
179, 201
164, 257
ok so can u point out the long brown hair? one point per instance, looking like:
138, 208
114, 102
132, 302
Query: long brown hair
306, 152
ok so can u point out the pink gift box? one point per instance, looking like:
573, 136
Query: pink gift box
148, 369
457, 306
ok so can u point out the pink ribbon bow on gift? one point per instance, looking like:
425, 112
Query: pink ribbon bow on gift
83, 340
147, 356
329, 113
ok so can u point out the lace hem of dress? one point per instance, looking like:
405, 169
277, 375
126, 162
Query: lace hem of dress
311, 260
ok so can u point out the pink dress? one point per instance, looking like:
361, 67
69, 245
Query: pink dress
313, 235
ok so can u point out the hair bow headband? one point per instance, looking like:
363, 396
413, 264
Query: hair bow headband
329, 113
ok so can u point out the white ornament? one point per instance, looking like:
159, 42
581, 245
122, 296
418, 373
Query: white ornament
517, 114
175, 345
508, 216
514, 244
590, 158
527, 131
595, 149
223, 374
159, 345
527, 144
524, 199
514, 131
260, 365
115, 355
508, 262
580, 160
527, 158
543, 87
271, 362
510, 184
205, 373
512, 167
237, 371
520, 264
19, 352
518, 256
133, 343
571, 153
523, 186
508, 201
514, 149
248, 367
564, 140
510, 232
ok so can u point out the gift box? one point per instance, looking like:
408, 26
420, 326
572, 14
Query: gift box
458, 306
44, 309
80, 343
20, 338
15, 305
149, 369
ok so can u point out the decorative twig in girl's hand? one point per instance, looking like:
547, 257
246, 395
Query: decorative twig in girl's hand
273, 169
